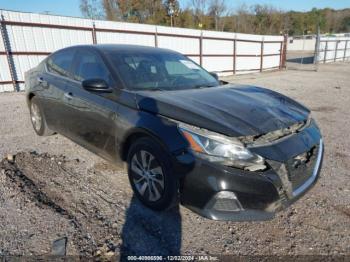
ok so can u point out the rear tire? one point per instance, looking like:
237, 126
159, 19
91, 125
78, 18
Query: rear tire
150, 175
38, 119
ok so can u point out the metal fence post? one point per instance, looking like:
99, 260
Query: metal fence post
281, 55
262, 55
7, 47
234, 54
201, 49
94, 38
336, 50
325, 52
284, 57
345, 49
156, 38
317, 49
302, 57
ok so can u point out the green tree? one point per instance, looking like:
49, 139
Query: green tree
216, 10
139, 11
91, 9
186, 19
214, 15
345, 24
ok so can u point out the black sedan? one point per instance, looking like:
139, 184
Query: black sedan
227, 152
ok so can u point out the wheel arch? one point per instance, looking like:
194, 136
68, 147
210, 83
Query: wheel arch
30, 96
134, 135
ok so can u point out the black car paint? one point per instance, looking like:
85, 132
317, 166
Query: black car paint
106, 123
230, 110
256, 190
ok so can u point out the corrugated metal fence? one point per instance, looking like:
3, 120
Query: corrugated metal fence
27, 38
334, 49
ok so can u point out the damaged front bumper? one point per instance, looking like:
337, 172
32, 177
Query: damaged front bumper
225, 193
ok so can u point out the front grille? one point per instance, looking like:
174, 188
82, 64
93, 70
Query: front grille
300, 168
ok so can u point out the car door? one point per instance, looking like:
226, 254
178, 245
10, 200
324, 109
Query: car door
52, 81
90, 116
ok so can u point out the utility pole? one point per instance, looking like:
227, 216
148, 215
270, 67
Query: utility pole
173, 11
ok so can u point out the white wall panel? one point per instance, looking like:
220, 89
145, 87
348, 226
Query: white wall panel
217, 34
331, 45
248, 48
301, 44
329, 56
25, 62
272, 48
217, 47
178, 31
271, 61
341, 44
42, 18
217, 64
46, 40
182, 45
254, 37
123, 38
4, 69
321, 56
6, 88
125, 26
335, 49
247, 63
273, 38
2, 47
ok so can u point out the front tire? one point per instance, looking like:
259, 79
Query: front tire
38, 119
150, 175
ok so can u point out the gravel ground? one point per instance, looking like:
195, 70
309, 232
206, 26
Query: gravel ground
54, 189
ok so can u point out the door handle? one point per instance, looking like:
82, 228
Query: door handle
68, 95
42, 82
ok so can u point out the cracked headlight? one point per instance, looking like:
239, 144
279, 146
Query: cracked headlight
221, 149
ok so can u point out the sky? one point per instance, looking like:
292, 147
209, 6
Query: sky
71, 7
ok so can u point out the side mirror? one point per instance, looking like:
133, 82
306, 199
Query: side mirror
96, 85
222, 82
215, 75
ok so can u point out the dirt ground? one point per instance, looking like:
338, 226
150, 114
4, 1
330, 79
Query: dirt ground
56, 190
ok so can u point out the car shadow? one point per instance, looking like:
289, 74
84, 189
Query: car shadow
147, 232
302, 60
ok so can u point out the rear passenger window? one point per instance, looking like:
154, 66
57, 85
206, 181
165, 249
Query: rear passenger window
60, 62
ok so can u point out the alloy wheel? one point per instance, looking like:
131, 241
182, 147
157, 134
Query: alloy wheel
36, 116
147, 175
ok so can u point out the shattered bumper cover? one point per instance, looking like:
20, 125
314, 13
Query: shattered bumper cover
225, 193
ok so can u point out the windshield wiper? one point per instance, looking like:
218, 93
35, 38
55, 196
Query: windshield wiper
203, 86
149, 89
156, 89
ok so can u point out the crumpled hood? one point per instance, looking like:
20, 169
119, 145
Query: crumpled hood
233, 110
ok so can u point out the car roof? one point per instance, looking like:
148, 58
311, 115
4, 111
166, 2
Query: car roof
120, 48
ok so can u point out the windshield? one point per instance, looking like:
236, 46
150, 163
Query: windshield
160, 71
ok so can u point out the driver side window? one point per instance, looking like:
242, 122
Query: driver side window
91, 66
